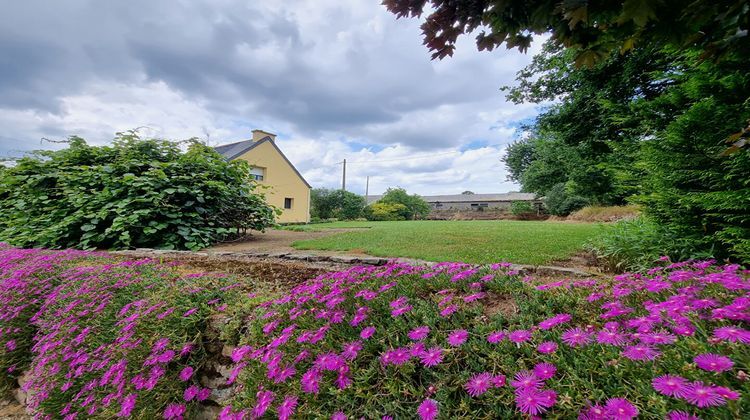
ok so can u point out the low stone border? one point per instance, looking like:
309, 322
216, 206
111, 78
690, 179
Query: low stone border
525, 269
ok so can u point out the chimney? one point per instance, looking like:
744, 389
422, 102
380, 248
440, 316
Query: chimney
260, 135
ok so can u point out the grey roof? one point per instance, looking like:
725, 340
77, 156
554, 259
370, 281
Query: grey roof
469, 198
234, 150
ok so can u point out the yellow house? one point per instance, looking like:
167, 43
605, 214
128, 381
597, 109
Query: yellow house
287, 189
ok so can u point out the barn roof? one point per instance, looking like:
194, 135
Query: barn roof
469, 198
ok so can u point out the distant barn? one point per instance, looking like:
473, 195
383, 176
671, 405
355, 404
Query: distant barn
474, 202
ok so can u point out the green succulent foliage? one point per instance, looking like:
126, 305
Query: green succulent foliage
134, 193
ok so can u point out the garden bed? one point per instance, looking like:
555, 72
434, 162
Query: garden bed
89, 335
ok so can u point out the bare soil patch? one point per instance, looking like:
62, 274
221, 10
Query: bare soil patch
494, 304
273, 240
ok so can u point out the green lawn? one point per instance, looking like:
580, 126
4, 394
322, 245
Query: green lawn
480, 241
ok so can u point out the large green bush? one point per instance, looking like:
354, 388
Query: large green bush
414, 206
134, 193
336, 204
385, 211
560, 201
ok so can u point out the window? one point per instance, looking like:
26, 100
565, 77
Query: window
257, 173
288, 203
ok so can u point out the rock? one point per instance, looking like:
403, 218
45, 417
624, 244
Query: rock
227, 350
277, 254
345, 259
20, 396
373, 261
221, 395
207, 412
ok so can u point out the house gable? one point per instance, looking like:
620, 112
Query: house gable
236, 150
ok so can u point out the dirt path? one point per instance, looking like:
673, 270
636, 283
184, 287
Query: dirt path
274, 240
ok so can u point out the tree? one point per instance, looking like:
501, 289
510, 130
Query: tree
134, 193
380, 211
414, 206
339, 204
467, 192
594, 30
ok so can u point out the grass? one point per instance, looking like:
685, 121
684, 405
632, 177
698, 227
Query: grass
477, 242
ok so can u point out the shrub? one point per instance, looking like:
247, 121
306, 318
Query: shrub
414, 207
521, 208
638, 243
135, 193
605, 213
380, 211
339, 204
560, 202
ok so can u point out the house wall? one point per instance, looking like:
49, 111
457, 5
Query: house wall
282, 182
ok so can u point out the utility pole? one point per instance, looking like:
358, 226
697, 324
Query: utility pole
367, 188
343, 177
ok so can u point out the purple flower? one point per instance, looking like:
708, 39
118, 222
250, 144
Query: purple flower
367, 333
262, 403
611, 337
432, 356
419, 333
534, 401
428, 410
519, 336
174, 411
401, 311
339, 415
190, 393
544, 371
127, 405
554, 321
190, 312
713, 362
478, 384
186, 373
669, 385
495, 337
448, 311
576, 337
732, 334
620, 409
681, 415
458, 337
349, 351
310, 381
640, 352
701, 395
396, 357
525, 379
547, 347
287, 407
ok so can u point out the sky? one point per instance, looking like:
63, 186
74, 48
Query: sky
333, 79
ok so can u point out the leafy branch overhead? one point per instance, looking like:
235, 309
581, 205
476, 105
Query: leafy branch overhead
134, 193
593, 28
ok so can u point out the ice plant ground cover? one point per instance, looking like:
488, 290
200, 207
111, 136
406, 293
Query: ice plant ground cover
106, 338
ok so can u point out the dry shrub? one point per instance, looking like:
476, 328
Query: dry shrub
605, 213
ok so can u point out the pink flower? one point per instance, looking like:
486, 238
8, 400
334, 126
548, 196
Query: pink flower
186, 373
640, 352
554, 321
732, 334
262, 403
432, 356
669, 385
367, 332
310, 381
519, 336
576, 337
533, 401
127, 405
526, 379
428, 410
458, 337
495, 337
498, 381
174, 411
544, 371
190, 312
339, 415
547, 347
419, 333
713, 362
611, 337
701, 395
448, 311
478, 384
287, 407
620, 409
349, 351
190, 393
681, 415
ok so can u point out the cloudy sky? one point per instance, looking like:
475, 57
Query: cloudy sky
334, 79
